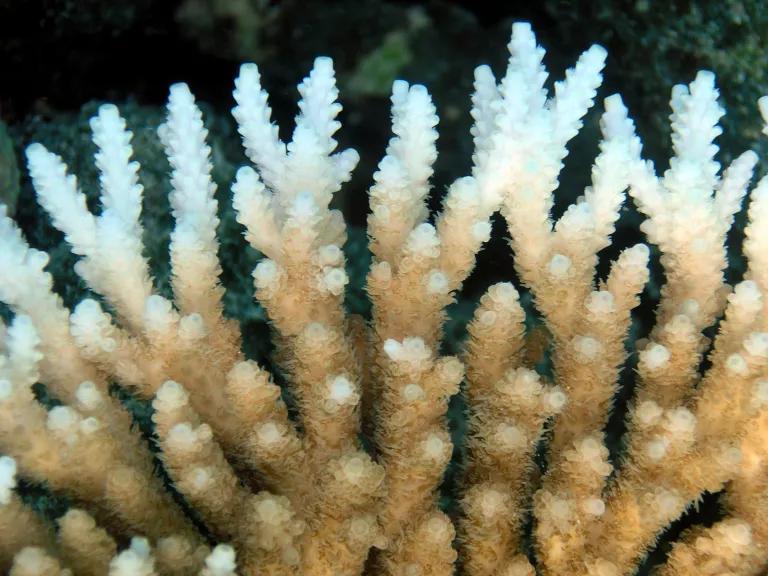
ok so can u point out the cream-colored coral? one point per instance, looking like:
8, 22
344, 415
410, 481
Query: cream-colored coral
348, 482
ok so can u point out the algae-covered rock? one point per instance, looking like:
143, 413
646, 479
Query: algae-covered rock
237, 29
9, 171
654, 45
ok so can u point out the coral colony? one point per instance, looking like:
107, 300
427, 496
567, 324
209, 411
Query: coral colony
349, 484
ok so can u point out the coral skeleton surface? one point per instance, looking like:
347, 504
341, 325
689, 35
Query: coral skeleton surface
335, 467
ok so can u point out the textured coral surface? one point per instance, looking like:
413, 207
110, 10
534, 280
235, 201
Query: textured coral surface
331, 457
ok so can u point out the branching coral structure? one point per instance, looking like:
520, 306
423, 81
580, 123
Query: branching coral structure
341, 476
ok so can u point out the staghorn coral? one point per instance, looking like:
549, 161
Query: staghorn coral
338, 472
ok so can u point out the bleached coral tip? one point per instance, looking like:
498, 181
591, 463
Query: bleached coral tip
249, 67
757, 344
221, 561
200, 478
487, 318
748, 287
88, 395
341, 390
451, 368
522, 28
304, 205
269, 434
655, 356
437, 283
34, 151
182, 437
419, 89
705, 77
750, 158
555, 399
141, 546
614, 103
88, 306
439, 528
690, 308
192, 327
392, 348
504, 293
648, 412
172, 395
61, 417
656, 449
483, 72
108, 109
399, 90
559, 265
317, 332
323, 63
678, 90
680, 422
434, 447
510, 437
330, 255
334, 280
90, 425
736, 364
642, 249
266, 274
600, 303
412, 392
245, 173
597, 52
179, 89
156, 304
